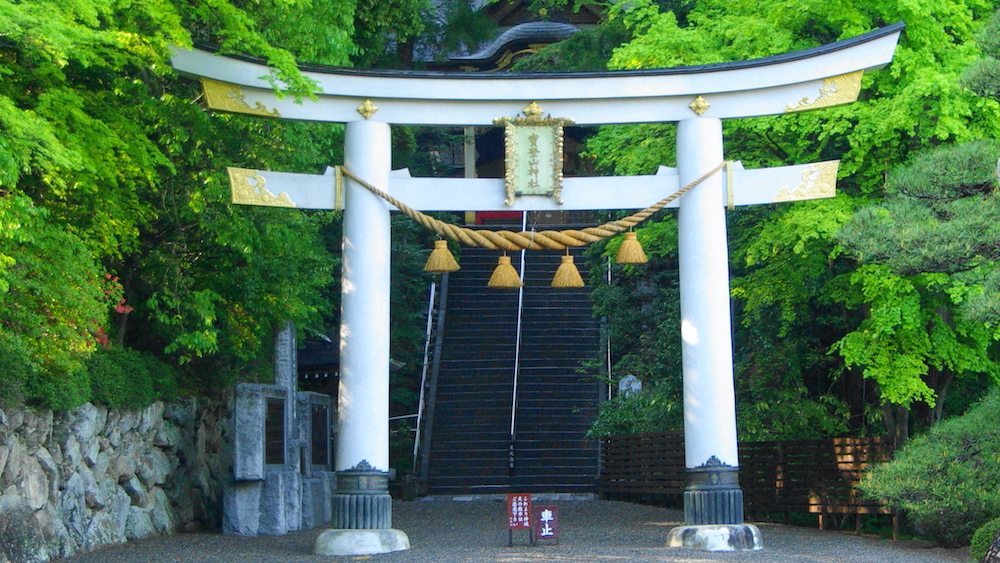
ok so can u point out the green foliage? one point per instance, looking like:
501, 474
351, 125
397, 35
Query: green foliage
947, 480
909, 330
109, 164
123, 378
656, 408
17, 368
60, 392
895, 336
983, 76
983, 539
53, 295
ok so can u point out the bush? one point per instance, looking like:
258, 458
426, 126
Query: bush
656, 408
16, 369
125, 378
947, 480
983, 539
58, 390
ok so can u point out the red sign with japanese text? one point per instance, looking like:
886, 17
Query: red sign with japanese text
519, 511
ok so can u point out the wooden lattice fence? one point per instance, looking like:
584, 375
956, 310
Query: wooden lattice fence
813, 476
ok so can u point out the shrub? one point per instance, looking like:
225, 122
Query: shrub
655, 408
983, 539
125, 378
58, 390
16, 368
947, 480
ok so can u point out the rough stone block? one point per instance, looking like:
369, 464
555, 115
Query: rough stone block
241, 508
315, 502
280, 503
160, 512
248, 443
138, 525
291, 482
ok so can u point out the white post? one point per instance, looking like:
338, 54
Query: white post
364, 329
362, 507
713, 496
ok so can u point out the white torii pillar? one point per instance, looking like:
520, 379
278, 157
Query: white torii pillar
697, 98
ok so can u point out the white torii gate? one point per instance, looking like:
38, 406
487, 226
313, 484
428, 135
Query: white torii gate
697, 98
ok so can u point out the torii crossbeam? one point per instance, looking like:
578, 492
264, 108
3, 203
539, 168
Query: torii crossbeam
697, 98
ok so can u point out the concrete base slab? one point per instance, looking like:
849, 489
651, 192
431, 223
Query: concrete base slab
361, 542
721, 537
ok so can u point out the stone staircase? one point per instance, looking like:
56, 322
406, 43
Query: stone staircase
471, 450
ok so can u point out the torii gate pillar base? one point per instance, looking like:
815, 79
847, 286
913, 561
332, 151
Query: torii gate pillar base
361, 542
716, 537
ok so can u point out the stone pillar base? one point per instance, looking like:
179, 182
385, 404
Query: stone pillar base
361, 542
362, 512
713, 507
731, 537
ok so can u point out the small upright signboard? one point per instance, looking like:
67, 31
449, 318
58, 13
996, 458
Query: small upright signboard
546, 523
518, 515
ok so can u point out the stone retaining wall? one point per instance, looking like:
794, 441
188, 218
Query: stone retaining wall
75, 481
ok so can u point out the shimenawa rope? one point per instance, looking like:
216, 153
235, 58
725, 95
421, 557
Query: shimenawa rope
531, 240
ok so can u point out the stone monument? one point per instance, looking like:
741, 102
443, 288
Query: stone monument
282, 480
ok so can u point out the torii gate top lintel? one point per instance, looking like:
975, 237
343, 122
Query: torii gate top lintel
802, 80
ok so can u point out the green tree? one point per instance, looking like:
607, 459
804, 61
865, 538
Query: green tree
112, 188
798, 292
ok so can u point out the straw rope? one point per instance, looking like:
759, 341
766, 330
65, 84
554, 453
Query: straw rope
531, 240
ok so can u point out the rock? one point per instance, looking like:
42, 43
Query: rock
100, 465
86, 422
136, 492
90, 450
72, 453
46, 462
15, 459
118, 506
4, 455
36, 428
151, 416
138, 525
155, 468
54, 532
167, 436
15, 419
182, 412
21, 540
104, 529
34, 484
160, 512
91, 494
73, 508
121, 467
128, 421
3, 418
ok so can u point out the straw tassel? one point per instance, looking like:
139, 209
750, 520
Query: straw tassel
630, 252
441, 261
567, 275
504, 276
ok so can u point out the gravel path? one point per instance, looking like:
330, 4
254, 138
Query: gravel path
474, 532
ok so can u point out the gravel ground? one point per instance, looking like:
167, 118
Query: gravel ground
475, 531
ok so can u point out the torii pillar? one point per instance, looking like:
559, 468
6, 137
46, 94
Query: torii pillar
697, 98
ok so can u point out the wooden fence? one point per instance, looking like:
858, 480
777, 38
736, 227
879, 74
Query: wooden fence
813, 476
